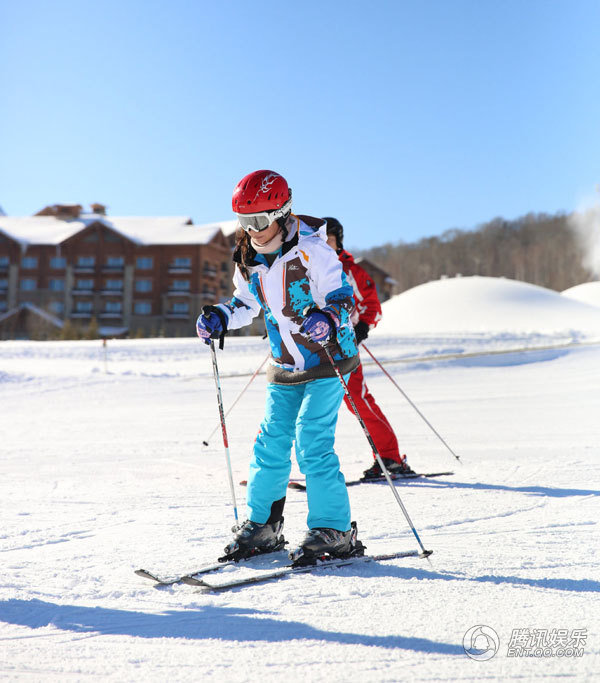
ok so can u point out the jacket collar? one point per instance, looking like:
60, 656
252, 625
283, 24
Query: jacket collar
346, 257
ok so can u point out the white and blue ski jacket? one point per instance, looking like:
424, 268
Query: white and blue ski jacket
306, 273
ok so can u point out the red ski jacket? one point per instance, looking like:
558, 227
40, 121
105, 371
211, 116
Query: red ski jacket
368, 308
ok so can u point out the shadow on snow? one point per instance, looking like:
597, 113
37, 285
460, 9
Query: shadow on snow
406, 573
549, 491
224, 623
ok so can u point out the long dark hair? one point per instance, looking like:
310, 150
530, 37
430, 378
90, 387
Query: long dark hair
244, 252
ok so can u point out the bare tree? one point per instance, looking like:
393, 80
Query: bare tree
536, 248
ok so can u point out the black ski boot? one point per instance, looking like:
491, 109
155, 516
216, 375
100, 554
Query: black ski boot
327, 543
251, 538
393, 467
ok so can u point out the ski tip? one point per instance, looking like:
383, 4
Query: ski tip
144, 574
297, 486
191, 581
205, 443
426, 553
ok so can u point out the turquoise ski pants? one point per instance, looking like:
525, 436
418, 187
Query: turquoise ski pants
306, 413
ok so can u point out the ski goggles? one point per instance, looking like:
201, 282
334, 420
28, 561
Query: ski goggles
257, 222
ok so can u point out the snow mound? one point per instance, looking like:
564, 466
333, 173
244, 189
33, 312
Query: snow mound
485, 305
587, 293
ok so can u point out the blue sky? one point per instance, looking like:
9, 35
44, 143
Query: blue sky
403, 119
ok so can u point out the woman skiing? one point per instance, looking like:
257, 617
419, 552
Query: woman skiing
366, 315
284, 266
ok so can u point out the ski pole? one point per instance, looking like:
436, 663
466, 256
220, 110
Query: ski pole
425, 553
223, 428
231, 407
411, 403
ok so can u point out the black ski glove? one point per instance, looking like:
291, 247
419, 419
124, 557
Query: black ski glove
361, 330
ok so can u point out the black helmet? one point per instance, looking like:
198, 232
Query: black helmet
334, 227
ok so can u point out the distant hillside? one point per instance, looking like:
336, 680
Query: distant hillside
536, 248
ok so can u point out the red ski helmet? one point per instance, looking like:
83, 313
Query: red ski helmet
261, 191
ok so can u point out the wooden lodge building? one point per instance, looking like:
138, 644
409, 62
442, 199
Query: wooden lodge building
129, 274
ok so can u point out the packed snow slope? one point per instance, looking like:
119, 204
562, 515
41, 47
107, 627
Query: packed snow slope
103, 471
587, 293
486, 305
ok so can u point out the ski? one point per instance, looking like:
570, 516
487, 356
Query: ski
298, 569
299, 486
291, 484
169, 581
205, 569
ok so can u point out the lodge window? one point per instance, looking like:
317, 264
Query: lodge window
144, 262
57, 285
28, 285
86, 261
142, 308
29, 262
58, 263
115, 261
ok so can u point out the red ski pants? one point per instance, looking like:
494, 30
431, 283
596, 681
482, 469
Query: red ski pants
376, 422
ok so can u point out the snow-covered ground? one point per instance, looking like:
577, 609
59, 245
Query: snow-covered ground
487, 305
103, 471
587, 293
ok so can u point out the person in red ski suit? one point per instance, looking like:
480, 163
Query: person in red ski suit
366, 315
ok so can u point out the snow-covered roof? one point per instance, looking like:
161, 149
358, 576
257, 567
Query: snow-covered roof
48, 317
109, 331
162, 230
143, 230
229, 227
